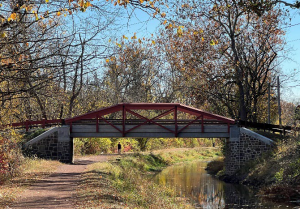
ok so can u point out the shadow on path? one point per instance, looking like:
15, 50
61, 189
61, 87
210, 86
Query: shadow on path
57, 190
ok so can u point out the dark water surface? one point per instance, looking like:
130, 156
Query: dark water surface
192, 181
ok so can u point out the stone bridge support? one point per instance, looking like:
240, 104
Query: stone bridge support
244, 145
55, 144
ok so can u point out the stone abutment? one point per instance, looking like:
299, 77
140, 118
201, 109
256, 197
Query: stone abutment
243, 146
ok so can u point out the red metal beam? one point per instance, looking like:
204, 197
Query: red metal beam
189, 124
97, 124
202, 125
123, 120
195, 111
111, 124
92, 115
137, 106
150, 120
150, 106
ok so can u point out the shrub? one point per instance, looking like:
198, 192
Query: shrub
10, 155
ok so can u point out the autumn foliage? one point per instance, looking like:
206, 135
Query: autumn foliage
10, 155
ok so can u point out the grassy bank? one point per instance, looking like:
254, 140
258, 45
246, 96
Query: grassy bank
122, 183
30, 171
276, 173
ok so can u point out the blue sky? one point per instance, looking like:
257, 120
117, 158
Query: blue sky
291, 87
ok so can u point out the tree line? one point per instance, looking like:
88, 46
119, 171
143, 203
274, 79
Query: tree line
60, 59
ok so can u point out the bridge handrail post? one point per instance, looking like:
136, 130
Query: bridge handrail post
27, 125
175, 118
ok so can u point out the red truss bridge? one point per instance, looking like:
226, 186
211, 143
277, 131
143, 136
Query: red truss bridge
148, 120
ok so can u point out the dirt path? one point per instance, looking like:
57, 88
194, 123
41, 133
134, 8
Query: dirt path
57, 190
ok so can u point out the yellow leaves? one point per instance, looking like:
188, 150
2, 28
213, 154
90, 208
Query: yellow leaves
134, 36
87, 4
140, 41
141, 1
58, 13
169, 26
3, 35
165, 22
109, 40
12, 17
46, 1
153, 42
107, 60
180, 31
125, 37
119, 45
202, 39
213, 42
163, 14
35, 14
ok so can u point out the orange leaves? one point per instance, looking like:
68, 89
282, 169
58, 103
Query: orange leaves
163, 14
12, 17
169, 26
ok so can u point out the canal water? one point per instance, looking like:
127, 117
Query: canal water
190, 180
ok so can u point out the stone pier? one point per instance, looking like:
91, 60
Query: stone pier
55, 144
243, 146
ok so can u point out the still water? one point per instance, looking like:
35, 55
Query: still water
192, 181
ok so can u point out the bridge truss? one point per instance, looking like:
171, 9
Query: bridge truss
145, 120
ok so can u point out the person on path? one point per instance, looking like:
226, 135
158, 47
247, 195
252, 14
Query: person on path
119, 148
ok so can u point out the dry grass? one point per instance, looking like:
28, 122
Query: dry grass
95, 189
122, 184
30, 171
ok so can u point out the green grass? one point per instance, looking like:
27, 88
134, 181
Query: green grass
277, 172
184, 155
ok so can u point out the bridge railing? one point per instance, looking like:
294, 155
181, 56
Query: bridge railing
138, 121
29, 124
266, 126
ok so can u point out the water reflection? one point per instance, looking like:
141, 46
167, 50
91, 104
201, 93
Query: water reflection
192, 181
